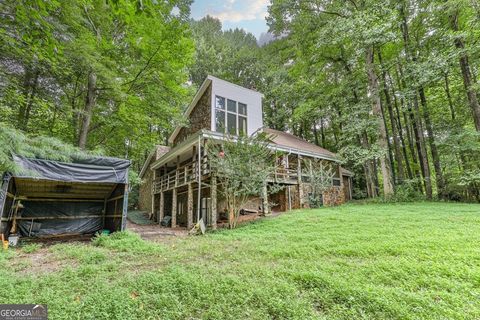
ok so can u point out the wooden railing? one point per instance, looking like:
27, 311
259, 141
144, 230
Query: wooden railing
189, 173
181, 176
284, 175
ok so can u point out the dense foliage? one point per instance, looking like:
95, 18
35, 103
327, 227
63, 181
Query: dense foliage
390, 85
95, 73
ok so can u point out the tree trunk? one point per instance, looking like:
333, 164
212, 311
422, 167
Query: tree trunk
88, 110
398, 123
449, 97
396, 143
315, 133
30, 83
421, 150
322, 132
30, 101
466, 71
389, 145
414, 115
377, 111
433, 147
368, 168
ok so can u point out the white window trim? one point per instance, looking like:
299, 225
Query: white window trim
226, 111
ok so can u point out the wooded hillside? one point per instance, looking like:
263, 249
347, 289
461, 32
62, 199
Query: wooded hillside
392, 86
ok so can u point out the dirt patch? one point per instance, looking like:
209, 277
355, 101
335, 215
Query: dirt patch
155, 232
40, 262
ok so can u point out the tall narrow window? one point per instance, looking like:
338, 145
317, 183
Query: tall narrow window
231, 123
231, 106
242, 119
230, 116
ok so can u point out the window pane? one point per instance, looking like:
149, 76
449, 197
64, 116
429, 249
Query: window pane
242, 108
220, 102
231, 105
242, 125
231, 123
220, 121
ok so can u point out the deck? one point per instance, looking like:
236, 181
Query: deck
190, 172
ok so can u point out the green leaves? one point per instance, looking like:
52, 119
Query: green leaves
14, 142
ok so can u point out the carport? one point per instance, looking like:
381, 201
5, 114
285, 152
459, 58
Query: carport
48, 198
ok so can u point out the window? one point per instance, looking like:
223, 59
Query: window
230, 116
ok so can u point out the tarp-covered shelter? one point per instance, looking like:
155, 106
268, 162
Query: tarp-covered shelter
52, 197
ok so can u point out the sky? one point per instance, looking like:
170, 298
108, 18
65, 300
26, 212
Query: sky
245, 14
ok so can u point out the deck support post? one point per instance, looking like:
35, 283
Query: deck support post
190, 206
266, 209
213, 200
161, 211
174, 207
153, 213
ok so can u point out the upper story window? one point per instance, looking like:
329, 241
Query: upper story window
230, 116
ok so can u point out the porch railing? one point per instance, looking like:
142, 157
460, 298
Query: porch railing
181, 176
189, 173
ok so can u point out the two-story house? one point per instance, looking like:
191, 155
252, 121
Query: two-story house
177, 180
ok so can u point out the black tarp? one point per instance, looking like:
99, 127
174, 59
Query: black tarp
66, 215
90, 220
104, 170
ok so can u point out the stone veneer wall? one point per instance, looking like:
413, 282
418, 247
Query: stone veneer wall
145, 189
199, 118
333, 196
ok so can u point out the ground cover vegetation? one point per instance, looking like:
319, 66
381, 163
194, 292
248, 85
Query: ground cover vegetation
358, 261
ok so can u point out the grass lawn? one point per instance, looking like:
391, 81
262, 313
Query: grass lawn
392, 261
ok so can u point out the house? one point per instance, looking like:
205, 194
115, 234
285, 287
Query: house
173, 174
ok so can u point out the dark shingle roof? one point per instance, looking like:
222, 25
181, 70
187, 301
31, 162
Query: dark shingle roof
291, 141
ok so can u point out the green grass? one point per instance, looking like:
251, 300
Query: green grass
376, 261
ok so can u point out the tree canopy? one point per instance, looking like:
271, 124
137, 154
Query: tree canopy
391, 86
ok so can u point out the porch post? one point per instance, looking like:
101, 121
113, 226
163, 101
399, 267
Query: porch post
299, 181
153, 214
190, 206
174, 207
266, 209
213, 200
162, 207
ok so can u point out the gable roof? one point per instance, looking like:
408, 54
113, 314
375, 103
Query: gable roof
289, 140
154, 155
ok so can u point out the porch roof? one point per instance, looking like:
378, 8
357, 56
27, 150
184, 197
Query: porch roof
289, 140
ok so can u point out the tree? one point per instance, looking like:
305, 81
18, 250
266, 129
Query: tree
242, 167
320, 174
96, 73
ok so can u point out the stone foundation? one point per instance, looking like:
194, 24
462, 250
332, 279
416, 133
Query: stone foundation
333, 196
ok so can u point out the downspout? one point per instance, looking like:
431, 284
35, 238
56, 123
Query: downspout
199, 178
